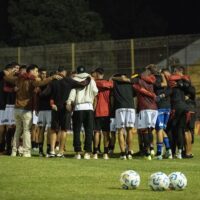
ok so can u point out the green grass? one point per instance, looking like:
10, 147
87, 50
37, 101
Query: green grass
41, 178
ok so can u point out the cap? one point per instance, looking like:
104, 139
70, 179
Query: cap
80, 69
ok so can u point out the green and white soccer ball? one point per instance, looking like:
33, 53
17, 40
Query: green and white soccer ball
130, 180
178, 181
159, 181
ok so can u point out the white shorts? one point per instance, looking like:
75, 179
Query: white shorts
35, 118
44, 118
2, 117
113, 125
125, 117
147, 119
9, 115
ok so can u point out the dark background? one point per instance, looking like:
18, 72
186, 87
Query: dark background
123, 19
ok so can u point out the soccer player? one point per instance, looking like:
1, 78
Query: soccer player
180, 108
61, 118
190, 120
44, 115
83, 113
163, 92
23, 106
147, 108
102, 113
10, 94
123, 93
3, 73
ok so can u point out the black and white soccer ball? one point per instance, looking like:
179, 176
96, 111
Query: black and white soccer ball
130, 179
178, 181
159, 181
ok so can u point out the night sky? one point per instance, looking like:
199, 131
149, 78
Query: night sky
179, 17
122, 18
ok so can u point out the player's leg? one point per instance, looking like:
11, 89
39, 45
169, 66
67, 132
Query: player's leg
88, 123
77, 119
53, 132
27, 123
97, 133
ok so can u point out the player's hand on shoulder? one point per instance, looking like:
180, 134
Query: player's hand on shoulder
57, 77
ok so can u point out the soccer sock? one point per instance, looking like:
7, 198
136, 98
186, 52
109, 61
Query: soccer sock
111, 147
106, 150
1, 147
180, 151
36, 145
99, 149
33, 144
166, 142
41, 147
159, 148
95, 150
123, 153
9, 136
48, 148
150, 135
146, 143
129, 153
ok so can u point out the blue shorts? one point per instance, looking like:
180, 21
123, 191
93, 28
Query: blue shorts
162, 119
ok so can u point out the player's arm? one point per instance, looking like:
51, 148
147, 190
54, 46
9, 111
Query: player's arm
11, 79
104, 84
122, 79
38, 83
81, 84
143, 91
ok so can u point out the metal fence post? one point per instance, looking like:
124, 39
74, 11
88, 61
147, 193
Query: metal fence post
73, 56
132, 56
19, 55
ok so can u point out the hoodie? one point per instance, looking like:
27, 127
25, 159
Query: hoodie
84, 95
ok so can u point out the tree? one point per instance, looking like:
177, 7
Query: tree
35, 22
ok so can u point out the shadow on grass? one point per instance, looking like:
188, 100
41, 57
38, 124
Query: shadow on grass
138, 189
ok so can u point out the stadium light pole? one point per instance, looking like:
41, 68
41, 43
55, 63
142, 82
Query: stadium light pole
132, 56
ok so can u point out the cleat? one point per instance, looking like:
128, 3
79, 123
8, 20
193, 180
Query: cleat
26, 155
41, 154
105, 156
52, 154
129, 157
179, 156
95, 156
159, 157
122, 157
87, 156
60, 155
14, 154
77, 156
168, 154
148, 157
152, 152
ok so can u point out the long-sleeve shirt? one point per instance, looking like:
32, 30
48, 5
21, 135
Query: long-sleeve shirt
103, 98
84, 95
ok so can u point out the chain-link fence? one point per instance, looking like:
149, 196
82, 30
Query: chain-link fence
125, 56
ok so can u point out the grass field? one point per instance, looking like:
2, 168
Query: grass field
42, 178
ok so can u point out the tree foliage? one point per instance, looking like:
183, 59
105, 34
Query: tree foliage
36, 22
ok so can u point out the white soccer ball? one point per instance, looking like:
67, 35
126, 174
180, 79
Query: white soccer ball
159, 181
130, 179
178, 181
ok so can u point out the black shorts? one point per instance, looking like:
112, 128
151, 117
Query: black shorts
102, 124
61, 120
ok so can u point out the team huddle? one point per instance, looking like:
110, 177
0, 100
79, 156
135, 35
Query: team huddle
33, 103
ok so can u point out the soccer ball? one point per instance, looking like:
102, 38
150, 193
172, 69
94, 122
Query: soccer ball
178, 181
130, 180
159, 181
